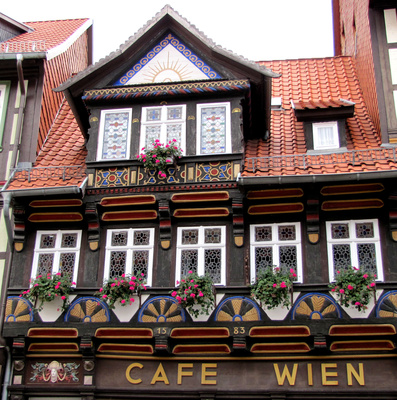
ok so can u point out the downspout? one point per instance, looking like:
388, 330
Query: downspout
21, 111
6, 278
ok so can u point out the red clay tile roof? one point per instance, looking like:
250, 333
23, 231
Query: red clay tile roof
63, 148
45, 36
319, 82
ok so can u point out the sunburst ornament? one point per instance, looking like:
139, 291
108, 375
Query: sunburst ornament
237, 309
316, 306
87, 309
169, 61
18, 309
162, 309
387, 305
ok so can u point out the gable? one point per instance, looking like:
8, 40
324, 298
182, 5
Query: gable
169, 61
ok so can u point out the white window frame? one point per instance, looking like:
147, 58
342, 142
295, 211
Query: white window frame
275, 244
163, 123
57, 251
4, 94
228, 126
201, 247
130, 248
353, 241
335, 135
101, 134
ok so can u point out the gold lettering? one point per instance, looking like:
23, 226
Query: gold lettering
326, 374
181, 372
286, 374
310, 374
205, 373
358, 375
128, 373
160, 376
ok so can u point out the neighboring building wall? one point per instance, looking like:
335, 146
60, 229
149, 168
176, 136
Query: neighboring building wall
58, 70
356, 41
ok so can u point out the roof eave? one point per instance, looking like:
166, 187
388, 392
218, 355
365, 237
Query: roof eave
315, 178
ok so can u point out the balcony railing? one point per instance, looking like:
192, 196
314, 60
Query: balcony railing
304, 161
23, 46
64, 173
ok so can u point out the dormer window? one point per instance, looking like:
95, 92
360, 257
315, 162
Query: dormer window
213, 128
164, 123
325, 135
114, 135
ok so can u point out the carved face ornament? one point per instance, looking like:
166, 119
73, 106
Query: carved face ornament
54, 372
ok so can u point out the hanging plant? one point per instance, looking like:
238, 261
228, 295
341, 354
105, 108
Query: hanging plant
159, 156
195, 294
121, 289
273, 287
354, 287
46, 288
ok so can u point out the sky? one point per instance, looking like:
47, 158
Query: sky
255, 29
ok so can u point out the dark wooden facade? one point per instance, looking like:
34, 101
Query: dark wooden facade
154, 348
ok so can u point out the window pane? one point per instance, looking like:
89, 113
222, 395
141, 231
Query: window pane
263, 233
212, 267
341, 256
141, 238
152, 133
340, 231
288, 258
47, 241
365, 230
189, 236
212, 235
263, 258
69, 240
45, 264
174, 131
140, 262
286, 232
213, 130
188, 261
367, 257
325, 136
66, 264
115, 135
153, 114
117, 263
174, 113
119, 238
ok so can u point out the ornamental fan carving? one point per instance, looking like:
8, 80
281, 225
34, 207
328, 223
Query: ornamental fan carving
87, 309
238, 309
316, 306
161, 309
387, 305
18, 309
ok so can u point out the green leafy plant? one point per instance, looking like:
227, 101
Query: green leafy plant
158, 156
273, 287
354, 287
121, 289
45, 288
195, 290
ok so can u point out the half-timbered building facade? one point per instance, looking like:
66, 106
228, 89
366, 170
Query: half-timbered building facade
283, 165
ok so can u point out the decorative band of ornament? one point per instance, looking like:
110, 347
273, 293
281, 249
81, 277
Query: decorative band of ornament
274, 193
200, 212
54, 347
279, 331
201, 348
55, 203
127, 200
125, 93
55, 217
338, 205
180, 47
275, 208
352, 189
280, 348
129, 215
53, 333
199, 196
125, 348
124, 333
